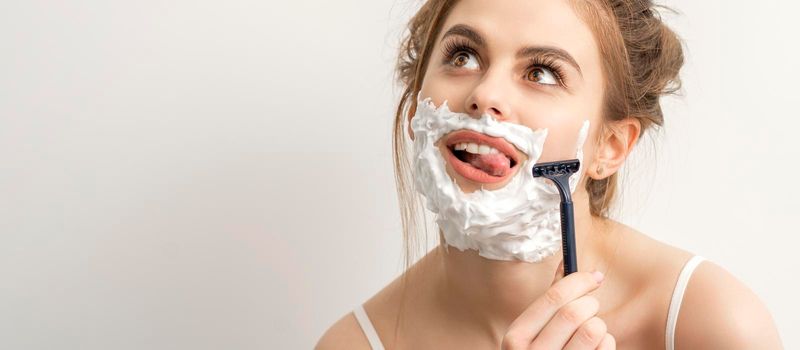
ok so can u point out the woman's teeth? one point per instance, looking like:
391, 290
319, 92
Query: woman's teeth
475, 148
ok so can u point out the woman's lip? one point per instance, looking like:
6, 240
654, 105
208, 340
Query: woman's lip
471, 173
471, 136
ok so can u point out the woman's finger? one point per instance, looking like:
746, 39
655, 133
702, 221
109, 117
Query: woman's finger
535, 317
573, 321
608, 343
589, 336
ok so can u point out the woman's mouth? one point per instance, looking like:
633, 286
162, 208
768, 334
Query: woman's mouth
481, 158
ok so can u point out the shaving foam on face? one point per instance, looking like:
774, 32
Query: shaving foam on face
521, 220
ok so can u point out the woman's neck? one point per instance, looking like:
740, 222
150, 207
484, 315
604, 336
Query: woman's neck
490, 294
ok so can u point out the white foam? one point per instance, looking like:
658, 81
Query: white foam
518, 221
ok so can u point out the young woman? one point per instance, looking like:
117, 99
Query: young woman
517, 67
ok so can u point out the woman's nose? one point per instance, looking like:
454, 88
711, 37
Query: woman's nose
489, 97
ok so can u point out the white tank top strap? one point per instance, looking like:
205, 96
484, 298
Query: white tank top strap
366, 326
677, 298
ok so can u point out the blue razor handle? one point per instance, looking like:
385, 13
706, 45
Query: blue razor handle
559, 172
568, 238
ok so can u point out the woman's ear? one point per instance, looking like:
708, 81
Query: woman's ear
616, 141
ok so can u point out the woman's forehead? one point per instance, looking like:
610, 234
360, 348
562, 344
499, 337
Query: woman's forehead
508, 25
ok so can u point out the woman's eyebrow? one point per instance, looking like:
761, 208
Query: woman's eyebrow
465, 31
552, 51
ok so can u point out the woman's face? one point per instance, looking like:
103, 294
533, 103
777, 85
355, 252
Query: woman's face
530, 62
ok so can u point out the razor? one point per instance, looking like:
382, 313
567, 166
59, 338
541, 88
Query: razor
559, 172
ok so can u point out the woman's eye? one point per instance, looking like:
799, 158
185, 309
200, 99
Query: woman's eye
465, 60
542, 76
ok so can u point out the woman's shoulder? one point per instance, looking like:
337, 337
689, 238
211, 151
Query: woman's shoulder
381, 310
731, 315
345, 333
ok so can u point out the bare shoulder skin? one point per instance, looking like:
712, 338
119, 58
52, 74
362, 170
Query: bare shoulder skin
730, 314
344, 334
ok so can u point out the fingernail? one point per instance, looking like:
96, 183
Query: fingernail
598, 276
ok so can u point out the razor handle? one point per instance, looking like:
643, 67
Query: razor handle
568, 238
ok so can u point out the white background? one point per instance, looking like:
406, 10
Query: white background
217, 175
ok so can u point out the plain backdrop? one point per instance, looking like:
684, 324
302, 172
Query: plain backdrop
217, 174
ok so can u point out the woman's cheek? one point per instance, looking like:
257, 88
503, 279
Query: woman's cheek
441, 86
562, 138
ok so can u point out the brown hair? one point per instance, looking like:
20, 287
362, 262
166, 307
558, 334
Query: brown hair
641, 61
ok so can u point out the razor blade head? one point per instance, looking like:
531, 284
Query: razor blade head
558, 168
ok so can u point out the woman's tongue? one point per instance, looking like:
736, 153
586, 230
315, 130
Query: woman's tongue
495, 164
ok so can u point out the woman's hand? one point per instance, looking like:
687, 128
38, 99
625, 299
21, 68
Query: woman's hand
562, 318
